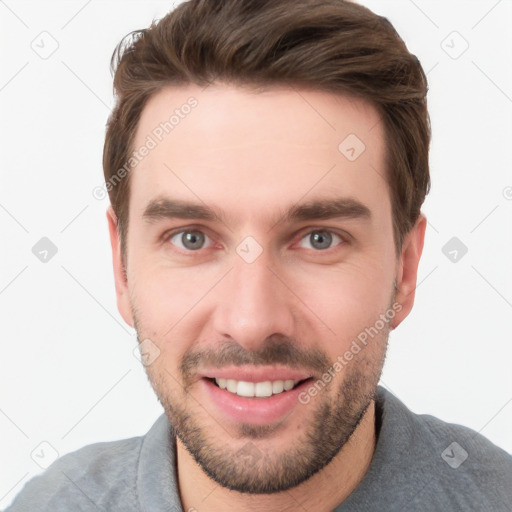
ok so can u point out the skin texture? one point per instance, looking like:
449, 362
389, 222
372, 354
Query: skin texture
251, 155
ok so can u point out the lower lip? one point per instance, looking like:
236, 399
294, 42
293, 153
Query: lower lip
256, 411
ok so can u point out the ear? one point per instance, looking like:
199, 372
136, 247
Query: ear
408, 269
121, 282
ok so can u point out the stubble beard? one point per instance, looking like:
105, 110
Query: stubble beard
248, 469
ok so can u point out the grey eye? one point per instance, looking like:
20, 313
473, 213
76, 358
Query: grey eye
190, 240
320, 239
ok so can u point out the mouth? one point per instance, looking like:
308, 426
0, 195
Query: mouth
257, 396
263, 389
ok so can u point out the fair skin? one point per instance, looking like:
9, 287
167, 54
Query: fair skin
250, 157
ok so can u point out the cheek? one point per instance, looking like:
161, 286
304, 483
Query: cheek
346, 301
164, 295
158, 310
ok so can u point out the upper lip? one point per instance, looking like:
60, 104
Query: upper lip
255, 374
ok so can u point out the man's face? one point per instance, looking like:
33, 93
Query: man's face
259, 296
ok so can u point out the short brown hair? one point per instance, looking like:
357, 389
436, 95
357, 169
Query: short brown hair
328, 45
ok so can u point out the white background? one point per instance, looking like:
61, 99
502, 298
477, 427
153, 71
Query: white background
68, 373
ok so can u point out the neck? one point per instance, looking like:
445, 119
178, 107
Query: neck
322, 492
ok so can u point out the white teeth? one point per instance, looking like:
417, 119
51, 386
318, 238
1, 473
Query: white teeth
263, 388
256, 389
245, 388
288, 384
277, 386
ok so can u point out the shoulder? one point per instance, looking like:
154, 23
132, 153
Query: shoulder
98, 476
457, 466
465, 448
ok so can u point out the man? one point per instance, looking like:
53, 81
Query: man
266, 164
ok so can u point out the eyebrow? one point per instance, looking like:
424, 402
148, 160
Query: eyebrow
343, 207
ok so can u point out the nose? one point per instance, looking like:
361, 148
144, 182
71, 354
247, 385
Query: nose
253, 304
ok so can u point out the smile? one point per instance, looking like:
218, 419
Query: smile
257, 395
256, 389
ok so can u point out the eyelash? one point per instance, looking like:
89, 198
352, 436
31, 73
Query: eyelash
345, 238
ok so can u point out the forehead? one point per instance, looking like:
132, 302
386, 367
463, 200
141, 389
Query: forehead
257, 149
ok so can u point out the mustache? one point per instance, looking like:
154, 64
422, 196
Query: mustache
275, 350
